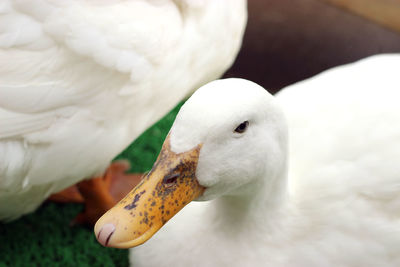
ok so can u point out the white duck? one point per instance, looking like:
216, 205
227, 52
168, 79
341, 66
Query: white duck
80, 80
332, 199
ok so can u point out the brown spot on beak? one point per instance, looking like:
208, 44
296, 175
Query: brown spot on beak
136, 199
168, 187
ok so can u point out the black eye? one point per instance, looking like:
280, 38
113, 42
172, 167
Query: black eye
242, 127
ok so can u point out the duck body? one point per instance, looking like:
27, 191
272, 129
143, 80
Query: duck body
334, 201
80, 81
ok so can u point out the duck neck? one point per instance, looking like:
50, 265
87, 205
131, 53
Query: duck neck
257, 204
264, 200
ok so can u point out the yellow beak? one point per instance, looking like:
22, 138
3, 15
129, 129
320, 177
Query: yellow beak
169, 186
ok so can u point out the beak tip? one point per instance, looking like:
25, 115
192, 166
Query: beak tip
105, 233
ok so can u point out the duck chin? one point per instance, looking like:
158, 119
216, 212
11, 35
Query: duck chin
213, 192
228, 189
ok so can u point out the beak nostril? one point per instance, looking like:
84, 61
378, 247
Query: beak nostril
170, 180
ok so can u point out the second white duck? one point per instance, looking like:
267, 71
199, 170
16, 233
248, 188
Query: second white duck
79, 81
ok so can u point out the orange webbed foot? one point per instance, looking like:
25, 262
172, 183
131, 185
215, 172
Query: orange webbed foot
101, 193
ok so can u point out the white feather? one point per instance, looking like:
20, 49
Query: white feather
331, 199
80, 80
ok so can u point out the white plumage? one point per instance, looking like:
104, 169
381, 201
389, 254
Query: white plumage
331, 199
80, 80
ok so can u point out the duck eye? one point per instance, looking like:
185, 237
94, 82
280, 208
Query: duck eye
242, 127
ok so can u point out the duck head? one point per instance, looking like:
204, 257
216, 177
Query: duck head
227, 139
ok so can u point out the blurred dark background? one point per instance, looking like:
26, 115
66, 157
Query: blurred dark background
287, 41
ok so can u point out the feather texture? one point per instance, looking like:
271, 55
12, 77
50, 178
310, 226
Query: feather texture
80, 80
332, 200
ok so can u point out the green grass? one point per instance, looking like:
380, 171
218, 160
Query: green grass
45, 238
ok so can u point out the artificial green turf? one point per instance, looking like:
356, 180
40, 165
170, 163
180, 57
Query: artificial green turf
45, 238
